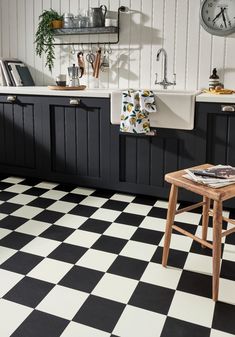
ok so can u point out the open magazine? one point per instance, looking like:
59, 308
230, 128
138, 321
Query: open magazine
215, 176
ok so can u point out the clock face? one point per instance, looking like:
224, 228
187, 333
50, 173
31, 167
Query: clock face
218, 16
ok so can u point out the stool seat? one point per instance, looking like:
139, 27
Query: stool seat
210, 195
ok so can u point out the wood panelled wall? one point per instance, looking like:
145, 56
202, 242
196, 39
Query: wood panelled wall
149, 25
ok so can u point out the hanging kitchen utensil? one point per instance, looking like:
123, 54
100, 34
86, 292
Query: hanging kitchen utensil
97, 16
105, 61
96, 68
90, 57
81, 63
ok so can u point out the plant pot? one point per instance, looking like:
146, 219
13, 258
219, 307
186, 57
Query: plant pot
57, 24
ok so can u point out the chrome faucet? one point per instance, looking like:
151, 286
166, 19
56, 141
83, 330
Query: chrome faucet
164, 82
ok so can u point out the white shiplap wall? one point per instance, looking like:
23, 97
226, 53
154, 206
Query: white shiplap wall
150, 24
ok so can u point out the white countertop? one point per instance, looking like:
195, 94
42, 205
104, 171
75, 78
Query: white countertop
44, 91
214, 98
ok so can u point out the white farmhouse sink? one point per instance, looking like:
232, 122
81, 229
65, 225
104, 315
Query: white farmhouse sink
175, 109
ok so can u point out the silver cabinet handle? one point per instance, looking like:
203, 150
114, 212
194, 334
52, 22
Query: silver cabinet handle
74, 101
230, 108
11, 99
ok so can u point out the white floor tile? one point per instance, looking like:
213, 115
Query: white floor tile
152, 223
123, 197
71, 221
8, 281
77, 329
22, 199
105, 214
3, 215
93, 201
139, 322
62, 206
27, 212
120, 231
6, 253
98, 260
158, 275
116, 288
199, 263
192, 308
33, 227
83, 191
54, 194
138, 209
63, 302
188, 217
18, 188
179, 242
138, 250
229, 252
46, 185
50, 270
4, 232
12, 315
218, 333
13, 180
82, 238
41, 246
227, 291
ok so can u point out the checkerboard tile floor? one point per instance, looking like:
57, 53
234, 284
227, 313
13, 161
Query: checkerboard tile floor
82, 262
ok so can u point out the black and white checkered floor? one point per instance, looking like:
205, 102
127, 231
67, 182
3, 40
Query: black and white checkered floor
79, 262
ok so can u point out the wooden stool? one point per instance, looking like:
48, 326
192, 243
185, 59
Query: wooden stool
217, 196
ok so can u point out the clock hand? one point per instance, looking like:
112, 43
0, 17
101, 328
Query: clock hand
216, 17
224, 19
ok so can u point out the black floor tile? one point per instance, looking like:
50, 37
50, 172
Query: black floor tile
36, 191
95, 225
48, 216
128, 267
198, 249
68, 253
176, 328
31, 181
130, 219
152, 297
158, 212
41, 202
65, 187
195, 283
21, 263
16, 240
224, 317
4, 185
12, 222
99, 313
115, 205
75, 198
8, 207
109, 244
103, 193
83, 210
40, 324
227, 270
4, 195
145, 200
81, 278
147, 236
176, 258
188, 227
58, 233
29, 291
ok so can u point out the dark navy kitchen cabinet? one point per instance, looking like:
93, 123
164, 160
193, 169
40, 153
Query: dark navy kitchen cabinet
20, 135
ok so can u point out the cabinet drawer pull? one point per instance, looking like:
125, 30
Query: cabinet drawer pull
74, 101
11, 99
228, 108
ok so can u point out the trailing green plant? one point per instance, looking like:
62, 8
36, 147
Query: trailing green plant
45, 37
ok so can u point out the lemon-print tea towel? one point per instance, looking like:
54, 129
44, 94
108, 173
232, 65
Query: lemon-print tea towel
136, 106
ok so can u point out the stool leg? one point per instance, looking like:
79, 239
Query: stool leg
169, 223
205, 218
217, 236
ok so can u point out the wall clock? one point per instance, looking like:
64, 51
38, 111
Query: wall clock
217, 17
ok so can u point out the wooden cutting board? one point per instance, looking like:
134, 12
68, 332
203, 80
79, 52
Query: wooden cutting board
57, 87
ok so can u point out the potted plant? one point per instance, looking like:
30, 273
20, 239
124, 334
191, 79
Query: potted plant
48, 20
